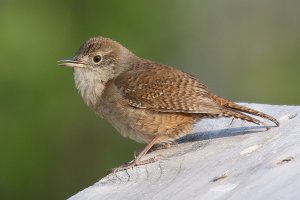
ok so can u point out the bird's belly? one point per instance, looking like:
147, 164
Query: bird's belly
128, 124
143, 125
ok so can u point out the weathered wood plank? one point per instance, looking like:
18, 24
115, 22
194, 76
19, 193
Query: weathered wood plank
223, 160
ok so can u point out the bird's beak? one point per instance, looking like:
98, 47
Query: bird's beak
71, 63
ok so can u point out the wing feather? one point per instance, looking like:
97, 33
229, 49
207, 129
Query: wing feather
164, 89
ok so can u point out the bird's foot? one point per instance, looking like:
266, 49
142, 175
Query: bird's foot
132, 164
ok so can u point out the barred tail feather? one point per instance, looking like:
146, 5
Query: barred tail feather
238, 115
229, 105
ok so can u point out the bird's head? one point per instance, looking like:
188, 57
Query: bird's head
100, 55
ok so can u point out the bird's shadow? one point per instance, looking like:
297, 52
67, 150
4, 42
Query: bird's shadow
209, 129
220, 133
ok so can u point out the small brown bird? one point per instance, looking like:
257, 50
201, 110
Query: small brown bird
146, 101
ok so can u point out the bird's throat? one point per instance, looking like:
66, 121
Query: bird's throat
90, 84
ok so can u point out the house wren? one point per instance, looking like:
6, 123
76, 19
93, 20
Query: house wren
146, 101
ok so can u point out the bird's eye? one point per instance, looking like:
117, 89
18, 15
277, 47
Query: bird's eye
97, 59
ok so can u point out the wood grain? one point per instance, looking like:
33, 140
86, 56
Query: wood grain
225, 159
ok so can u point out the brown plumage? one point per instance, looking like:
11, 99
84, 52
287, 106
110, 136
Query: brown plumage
143, 100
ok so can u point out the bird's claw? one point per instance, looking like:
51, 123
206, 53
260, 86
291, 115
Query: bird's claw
132, 164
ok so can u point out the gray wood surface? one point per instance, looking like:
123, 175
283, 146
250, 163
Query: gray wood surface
225, 159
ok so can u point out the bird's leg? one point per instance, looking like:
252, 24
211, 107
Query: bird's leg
156, 147
162, 146
137, 161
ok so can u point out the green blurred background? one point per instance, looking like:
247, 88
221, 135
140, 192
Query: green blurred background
52, 145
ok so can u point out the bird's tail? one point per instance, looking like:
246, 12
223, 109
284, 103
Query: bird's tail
234, 110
